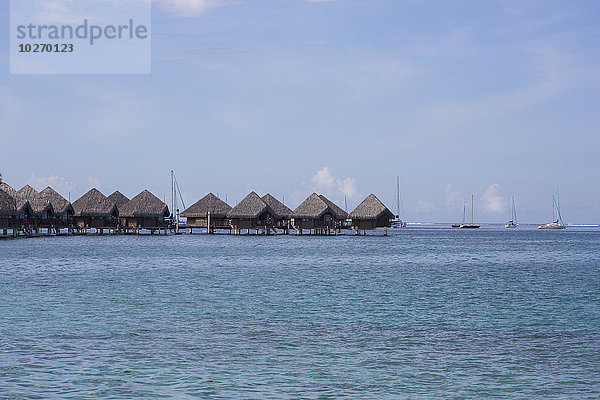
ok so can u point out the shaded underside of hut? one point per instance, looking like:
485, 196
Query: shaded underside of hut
251, 212
144, 211
198, 213
118, 198
317, 211
63, 209
94, 210
281, 213
371, 213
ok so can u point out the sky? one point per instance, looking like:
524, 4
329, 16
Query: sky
457, 98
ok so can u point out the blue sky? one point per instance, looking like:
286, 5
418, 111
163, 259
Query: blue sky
491, 98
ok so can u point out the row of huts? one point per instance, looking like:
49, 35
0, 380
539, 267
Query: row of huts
28, 212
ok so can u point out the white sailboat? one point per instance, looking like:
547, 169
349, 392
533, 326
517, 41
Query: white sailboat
513, 217
472, 225
397, 222
557, 222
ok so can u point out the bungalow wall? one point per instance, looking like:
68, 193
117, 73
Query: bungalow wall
202, 222
263, 220
381, 222
325, 221
94, 222
141, 222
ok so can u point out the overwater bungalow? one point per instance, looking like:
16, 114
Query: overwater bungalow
43, 212
281, 213
320, 215
94, 210
15, 212
63, 209
118, 198
371, 213
209, 213
252, 213
144, 211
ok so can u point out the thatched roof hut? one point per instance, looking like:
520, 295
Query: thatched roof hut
23, 206
94, 204
280, 210
118, 198
8, 205
251, 207
144, 205
316, 206
209, 203
40, 206
371, 213
319, 213
60, 205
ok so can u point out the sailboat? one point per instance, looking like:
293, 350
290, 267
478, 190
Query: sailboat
464, 213
397, 222
513, 217
556, 223
472, 225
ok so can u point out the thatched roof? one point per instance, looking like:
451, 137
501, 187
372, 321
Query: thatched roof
338, 212
38, 204
209, 203
59, 203
252, 206
118, 198
94, 204
8, 204
315, 206
279, 209
370, 208
21, 202
144, 205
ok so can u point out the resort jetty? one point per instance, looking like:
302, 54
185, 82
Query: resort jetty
26, 213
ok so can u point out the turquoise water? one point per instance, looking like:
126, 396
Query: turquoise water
422, 313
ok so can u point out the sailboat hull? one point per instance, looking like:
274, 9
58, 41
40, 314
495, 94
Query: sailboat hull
469, 226
552, 226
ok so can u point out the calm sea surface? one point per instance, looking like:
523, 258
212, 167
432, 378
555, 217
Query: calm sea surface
422, 313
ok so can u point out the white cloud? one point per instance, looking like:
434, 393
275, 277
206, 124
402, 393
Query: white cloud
491, 199
327, 184
426, 207
189, 8
58, 183
452, 197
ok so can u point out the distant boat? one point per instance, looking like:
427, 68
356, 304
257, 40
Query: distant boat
472, 225
557, 222
513, 221
397, 222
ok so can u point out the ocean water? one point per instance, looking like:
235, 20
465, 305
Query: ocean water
421, 313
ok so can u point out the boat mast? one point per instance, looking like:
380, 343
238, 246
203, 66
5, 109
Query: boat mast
558, 207
172, 194
514, 210
472, 209
398, 196
464, 210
